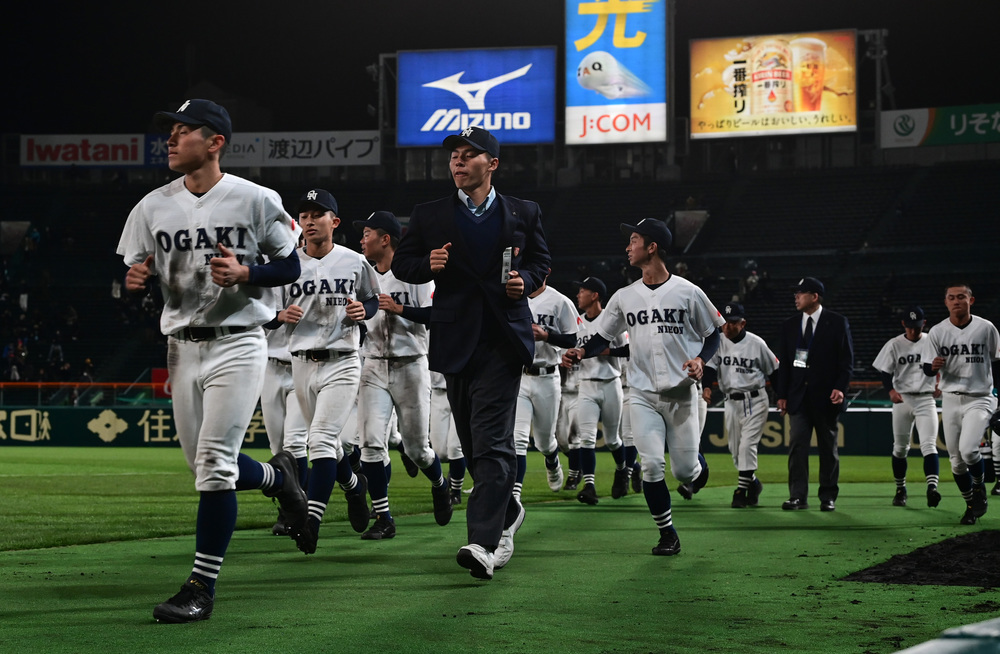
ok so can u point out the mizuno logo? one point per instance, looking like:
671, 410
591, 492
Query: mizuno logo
474, 94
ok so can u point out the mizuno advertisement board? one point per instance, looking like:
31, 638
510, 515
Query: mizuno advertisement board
508, 91
616, 71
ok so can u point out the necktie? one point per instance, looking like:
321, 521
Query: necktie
808, 334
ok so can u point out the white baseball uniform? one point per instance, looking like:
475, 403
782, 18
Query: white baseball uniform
967, 400
286, 427
600, 395
324, 343
743, 368
567, 431
902, 358
667, 326
395, 375
443, 436
217, 370
538, 398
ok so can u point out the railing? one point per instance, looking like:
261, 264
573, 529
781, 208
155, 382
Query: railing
82, 394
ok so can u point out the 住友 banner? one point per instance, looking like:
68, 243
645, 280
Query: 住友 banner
616, 71
508, 91
774, 84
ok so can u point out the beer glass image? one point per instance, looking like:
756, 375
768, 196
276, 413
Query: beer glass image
809, 61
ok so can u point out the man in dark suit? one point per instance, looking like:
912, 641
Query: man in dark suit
485, 253
817, 357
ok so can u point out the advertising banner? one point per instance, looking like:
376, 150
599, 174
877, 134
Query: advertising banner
616, 71
909, 128
508, 91
285, 149
774, 84
82, 150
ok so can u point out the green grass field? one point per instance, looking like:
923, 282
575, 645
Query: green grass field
96, 537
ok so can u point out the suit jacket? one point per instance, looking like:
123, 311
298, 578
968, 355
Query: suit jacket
831, 361
461, 293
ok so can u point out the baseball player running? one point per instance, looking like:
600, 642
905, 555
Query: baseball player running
554, 324
395, 376
336, 290
567, 432
742, 366
194, 234
600, 396
912, 394
673, 330
444, 436
964, 350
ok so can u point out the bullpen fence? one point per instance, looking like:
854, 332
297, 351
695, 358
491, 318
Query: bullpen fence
141, 415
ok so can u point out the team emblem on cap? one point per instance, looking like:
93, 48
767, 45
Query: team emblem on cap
184, 106
729, 309
801, 281
467, 132
311, 195
913, 315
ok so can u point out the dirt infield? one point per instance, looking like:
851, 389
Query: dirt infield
970, 560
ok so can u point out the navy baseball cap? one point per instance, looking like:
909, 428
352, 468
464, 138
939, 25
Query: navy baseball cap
320, 198
653, 228
733, 312
197, 113
913, 317
384, 220
810, 285
593, 284
477, 137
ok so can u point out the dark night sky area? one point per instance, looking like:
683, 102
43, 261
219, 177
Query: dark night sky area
95, 69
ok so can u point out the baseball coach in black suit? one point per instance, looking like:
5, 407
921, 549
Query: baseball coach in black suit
817, 357
485, 253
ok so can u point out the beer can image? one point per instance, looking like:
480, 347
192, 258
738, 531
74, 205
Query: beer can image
771, 77
809, 65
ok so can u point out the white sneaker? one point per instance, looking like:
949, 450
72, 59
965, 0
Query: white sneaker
556, 477
477, 560
506, 547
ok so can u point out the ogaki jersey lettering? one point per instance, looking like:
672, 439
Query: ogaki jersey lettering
903, 359
181, 231
666, 326
969, 353
324, 288
390, 335
599, 367
743, 366
556, 313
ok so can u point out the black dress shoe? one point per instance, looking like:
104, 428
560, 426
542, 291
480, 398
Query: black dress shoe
794, 504
827, 505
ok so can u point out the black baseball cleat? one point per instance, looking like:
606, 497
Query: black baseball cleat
740, 498
357, 505
969, 517
306, 539
686, 491
442, 504
456, 497
933, 496
290, 496
636, 475
588, 495
191, 604
899, 499
753, 493
572, 481
408, 463
281, 527
979, 504
383, 529
669, 544
619, 487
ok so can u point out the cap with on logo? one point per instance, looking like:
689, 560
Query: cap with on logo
319, 198
913, 317
653, 228
593, 284
197, 112
733, 312
477, 137
384, 220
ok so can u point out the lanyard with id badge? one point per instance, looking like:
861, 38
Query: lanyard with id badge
802, 353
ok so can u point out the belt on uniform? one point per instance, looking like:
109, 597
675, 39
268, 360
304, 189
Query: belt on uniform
741, 396
597, 379
280, 361
207, 333
535, 371
321, 355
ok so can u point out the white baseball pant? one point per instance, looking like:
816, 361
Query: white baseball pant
666, 421
537, 409
283, 420
919, 409
327, 391
600, 401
